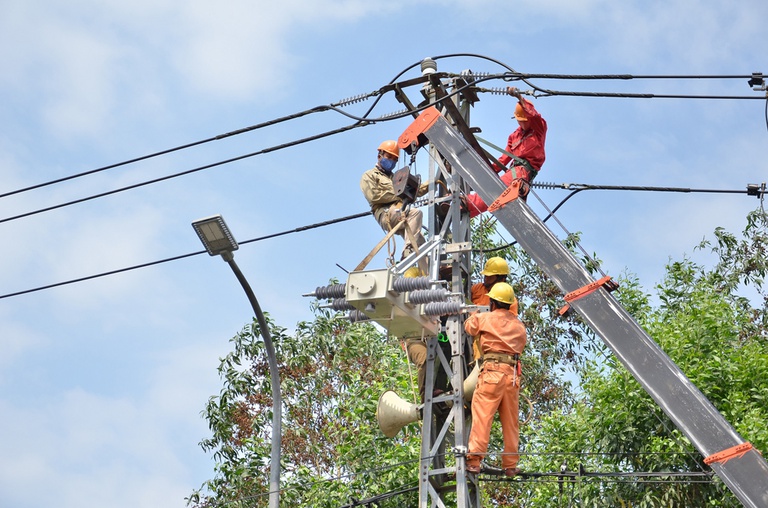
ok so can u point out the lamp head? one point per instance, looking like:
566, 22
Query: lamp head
215, 235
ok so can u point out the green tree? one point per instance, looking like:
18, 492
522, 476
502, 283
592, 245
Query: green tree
717, 336
332, 373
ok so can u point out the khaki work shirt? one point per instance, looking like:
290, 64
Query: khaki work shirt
378, 189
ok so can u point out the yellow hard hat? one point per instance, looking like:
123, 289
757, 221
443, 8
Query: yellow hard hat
502, 292
495, 266
413, 272
390, 146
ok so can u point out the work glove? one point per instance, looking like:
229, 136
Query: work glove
423, 189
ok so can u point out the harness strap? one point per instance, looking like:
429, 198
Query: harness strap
518, 161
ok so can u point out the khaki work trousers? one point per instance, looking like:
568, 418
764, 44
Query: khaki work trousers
417, 353
413, 216
498, 389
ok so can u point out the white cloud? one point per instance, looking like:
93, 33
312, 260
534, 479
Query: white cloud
102, 383
16, 340
76, 447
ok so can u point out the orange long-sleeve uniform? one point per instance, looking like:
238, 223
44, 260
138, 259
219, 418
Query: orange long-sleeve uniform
479, 296
498, 384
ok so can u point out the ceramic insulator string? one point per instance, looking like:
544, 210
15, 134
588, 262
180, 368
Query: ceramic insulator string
356, 316
442, 308
428, 295
404, 284
332, 291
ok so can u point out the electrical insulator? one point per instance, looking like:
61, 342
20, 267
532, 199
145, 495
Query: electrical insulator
428, 295
404, 284
356, 316
332, 291
442, 308
340, 304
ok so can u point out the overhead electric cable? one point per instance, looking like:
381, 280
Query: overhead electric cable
545, 93
364, 120
175, 258
751, 190
576, 189
626, 76
170, 150
187, 172
508, 76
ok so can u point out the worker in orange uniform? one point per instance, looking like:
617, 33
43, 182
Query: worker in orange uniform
495, 270
387, 208
502, 338
526, 144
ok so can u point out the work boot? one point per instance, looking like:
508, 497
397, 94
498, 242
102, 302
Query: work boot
512, 471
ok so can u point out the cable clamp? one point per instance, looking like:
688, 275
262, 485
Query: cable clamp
605, 282
724, 456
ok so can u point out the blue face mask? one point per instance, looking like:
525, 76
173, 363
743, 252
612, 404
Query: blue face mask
387, 164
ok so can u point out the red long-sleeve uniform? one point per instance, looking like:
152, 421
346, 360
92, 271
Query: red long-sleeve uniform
526, 144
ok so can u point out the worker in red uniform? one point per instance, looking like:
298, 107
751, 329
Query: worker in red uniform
526, 144
502, 337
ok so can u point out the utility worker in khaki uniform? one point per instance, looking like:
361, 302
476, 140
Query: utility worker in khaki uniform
501, 337
387, 208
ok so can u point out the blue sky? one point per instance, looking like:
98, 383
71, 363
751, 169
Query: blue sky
102, 382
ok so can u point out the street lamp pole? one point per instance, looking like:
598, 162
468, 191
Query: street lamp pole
218, 240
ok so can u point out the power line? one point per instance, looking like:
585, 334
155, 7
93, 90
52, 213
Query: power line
187, 172
751, 190
169, 150
182, 256
576, 188
364, 120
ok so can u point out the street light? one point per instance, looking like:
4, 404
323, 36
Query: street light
218, 240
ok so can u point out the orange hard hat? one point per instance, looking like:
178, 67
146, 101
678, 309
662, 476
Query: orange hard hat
390, 146
520, 113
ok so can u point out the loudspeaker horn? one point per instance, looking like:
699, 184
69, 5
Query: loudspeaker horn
393, 413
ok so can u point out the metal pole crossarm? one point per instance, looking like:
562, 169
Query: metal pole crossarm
747, 475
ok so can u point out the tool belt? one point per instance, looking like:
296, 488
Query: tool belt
509, 359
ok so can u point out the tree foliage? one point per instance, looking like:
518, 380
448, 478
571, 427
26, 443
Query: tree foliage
717, 337
333, 372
